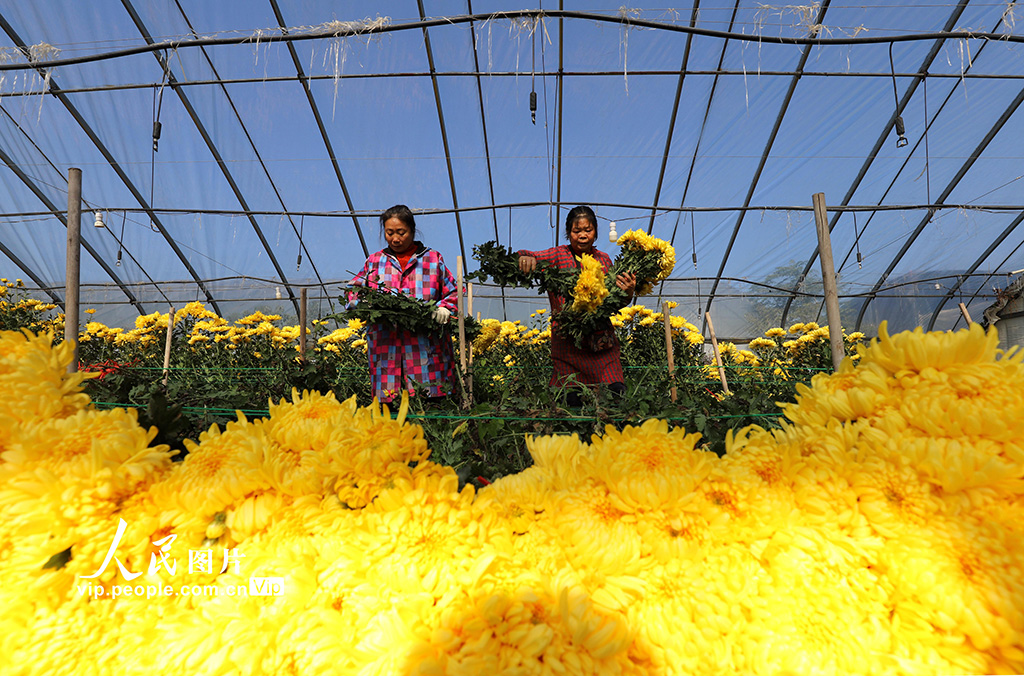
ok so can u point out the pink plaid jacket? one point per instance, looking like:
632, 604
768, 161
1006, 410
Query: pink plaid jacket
399, 357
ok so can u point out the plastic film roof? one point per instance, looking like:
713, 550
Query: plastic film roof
286, 127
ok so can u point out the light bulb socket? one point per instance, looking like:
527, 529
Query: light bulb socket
99, 220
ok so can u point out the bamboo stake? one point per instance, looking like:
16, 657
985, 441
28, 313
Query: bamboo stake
167, 345
302, 323
462, 321
965, 313
718, 357
73, 263
668, 347
828, 278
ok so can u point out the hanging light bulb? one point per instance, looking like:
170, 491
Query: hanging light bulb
612, 235
99, 220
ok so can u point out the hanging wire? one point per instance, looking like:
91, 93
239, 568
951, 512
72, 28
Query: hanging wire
927, 155
693, 240
120, 241
533, 72
900, 129
549, 142
158, 102
298, 261
856, 241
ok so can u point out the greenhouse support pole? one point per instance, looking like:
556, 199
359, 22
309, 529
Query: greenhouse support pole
669, 350
167, 345
73, 263
828, 278
965, 313
303, 296
462, 324
718, 357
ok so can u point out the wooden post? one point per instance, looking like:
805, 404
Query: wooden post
828, 278
718, 357
302, 323
73, 263
965, 313
462, 321
668, 347
167, 345
469, 348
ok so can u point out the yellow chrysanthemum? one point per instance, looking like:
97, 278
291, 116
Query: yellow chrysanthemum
590, 290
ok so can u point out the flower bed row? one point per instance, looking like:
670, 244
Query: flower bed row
878, 531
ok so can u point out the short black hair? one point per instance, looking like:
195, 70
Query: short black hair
580, 213
402, 213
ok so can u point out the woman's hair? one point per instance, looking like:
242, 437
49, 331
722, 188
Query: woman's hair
580, 213
402, 213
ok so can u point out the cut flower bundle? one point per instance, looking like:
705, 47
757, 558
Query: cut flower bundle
878, 532
591, 295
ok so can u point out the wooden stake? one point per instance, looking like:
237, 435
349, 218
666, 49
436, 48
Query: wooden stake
718, 357
167, 345
965, 313
668, 347
469, 348
302, 323
828, 278
73, 263
462, 321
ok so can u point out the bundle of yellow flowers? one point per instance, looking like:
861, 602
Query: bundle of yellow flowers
595, 297
877, 532
590, 290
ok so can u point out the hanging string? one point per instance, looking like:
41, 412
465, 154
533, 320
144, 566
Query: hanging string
856, 241
900, 129
298, 261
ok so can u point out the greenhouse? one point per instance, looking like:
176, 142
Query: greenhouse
762, 414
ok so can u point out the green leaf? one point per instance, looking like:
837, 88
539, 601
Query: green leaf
58, 560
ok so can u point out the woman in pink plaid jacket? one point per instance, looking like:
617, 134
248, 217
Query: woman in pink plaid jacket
399, 358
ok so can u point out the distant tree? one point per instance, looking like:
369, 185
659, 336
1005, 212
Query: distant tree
766, 311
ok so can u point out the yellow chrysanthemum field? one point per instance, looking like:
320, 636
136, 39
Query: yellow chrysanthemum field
879, 531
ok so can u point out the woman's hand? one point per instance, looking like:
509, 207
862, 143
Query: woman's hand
625, 281
527, 264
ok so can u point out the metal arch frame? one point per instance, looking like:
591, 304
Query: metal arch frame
520, 13
108, 156
487, 149
990, 276
977, 264
560, 93
675, 111
30, 184
700, 136
444, 131
964, 168
59, 213
908, 94
805, 54
304, 81
256, 152
172, 83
